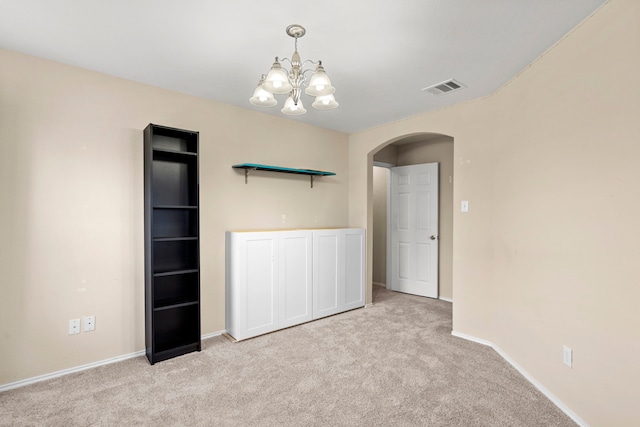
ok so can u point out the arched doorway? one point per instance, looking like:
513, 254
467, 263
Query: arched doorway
410, 150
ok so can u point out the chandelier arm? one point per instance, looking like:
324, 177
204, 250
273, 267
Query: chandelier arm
286, 59
308, 61
311, 62
305, 80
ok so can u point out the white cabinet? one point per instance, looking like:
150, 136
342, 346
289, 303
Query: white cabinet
252, 301
268, 281
354, 271
277, 279
295, 285
338, 270
326, 273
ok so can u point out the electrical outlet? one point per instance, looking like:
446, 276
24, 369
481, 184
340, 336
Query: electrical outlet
74, 326
89, 323
567, 356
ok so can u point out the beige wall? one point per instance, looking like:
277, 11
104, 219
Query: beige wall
440, 150
388, 154
548, 253
71, 210
379, 233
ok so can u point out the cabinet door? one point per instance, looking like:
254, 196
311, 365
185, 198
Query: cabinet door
354, 271
253, 284
295, 274
327, 273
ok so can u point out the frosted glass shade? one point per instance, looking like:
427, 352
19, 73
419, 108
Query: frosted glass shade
319, 84
262, 98
277, 80
325, 102
291, 109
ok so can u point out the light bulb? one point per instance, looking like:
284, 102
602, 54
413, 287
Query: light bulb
325, 102
277, 80
261, 97
291, 108
319, 84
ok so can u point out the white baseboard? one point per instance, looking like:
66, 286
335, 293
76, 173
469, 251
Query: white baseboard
382, 285
446, 299
81, 368
57, 374
564, 408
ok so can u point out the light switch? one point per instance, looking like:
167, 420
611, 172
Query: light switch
464, 206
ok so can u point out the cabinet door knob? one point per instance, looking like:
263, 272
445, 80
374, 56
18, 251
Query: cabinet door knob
433, 237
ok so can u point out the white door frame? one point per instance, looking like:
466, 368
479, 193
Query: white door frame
387, 166
420, 236
388, 246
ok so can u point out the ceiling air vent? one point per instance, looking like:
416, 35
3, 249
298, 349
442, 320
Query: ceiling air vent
447, 86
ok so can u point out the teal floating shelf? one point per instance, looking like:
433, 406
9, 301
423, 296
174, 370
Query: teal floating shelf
258, 167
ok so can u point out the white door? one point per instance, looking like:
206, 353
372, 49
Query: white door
414, 229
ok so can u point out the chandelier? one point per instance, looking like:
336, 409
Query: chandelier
280, 81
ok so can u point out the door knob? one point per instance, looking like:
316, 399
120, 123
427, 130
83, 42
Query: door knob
433, 237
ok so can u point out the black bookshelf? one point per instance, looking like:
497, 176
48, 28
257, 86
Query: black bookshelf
172, 242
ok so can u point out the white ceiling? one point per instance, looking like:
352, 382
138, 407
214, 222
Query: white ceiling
379, 54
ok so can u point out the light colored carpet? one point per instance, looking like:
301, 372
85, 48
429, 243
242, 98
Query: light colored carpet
393, 364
